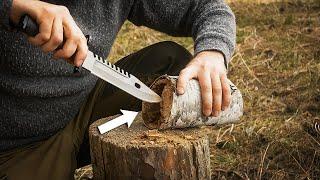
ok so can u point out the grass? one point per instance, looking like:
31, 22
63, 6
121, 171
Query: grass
277, 67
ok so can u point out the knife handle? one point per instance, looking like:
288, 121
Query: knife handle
31, 28
28, 26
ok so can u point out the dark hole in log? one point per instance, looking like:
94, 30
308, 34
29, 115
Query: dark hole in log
154, 113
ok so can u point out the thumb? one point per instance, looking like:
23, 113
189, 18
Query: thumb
184, 77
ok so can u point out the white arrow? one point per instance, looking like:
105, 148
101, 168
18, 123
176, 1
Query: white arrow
127, 117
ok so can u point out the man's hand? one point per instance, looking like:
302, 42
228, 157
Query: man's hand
209, 68
56, 26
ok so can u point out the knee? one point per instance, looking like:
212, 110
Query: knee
173, 49
172, 52
169, 57
169, 44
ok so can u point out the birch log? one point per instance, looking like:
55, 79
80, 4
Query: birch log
140, 153
185, 110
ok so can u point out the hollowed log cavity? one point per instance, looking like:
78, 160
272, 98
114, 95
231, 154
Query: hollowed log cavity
156, 113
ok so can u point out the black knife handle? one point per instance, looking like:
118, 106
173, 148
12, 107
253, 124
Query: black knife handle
28, 26
31, 28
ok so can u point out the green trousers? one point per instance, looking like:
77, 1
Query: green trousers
57, 157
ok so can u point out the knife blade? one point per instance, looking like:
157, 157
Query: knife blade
102, 68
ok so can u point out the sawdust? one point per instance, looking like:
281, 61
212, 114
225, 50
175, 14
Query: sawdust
139, 135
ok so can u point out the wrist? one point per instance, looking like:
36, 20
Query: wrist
214, 54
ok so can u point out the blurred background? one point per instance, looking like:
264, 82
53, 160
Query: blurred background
277, 67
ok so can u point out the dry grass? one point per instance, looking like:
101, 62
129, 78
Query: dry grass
276, 66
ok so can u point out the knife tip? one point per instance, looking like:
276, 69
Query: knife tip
155, 99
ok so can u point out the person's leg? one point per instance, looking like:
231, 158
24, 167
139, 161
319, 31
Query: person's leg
146, 64
55, 158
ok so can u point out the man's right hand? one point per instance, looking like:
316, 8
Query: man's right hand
56, 27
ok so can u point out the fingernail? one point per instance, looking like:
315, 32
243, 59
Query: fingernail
206, 113
216, 113
180, 90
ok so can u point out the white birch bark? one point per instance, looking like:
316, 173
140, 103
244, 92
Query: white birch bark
186, 110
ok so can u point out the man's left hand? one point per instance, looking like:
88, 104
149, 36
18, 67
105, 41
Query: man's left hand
209, 68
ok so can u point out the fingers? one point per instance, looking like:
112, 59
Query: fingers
69, 48
216, 93
206, 92
74, 34
74, 53
184, 77
209, 68
57, 27
81, 54
45, 28
226, 92
56, 37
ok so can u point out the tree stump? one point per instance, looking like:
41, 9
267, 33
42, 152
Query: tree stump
140, 153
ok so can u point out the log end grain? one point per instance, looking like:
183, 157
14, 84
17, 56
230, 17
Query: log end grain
155, 114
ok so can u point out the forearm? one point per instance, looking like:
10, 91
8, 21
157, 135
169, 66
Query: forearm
215, 29
210, 22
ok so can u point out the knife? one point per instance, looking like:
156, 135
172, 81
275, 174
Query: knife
102, 68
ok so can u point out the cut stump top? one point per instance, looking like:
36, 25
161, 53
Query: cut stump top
139, 134
140, 153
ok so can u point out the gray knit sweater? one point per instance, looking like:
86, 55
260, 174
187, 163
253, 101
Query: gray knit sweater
39, 96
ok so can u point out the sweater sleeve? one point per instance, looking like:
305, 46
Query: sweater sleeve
5, 6
211, 23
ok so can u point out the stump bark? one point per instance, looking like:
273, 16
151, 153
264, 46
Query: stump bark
140, 153
181, 111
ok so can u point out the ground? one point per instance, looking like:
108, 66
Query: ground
276, 66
